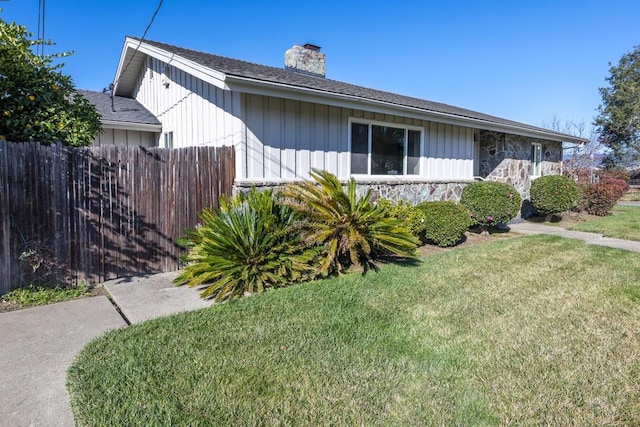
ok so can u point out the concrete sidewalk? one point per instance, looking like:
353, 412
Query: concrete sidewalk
590, 238
39, 344
147, 297
37, 347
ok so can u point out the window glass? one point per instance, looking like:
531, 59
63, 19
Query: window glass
359, 148
536, 159
413, 152
387, 150
168, 140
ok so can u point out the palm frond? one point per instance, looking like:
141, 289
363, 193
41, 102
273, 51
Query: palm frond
349, 229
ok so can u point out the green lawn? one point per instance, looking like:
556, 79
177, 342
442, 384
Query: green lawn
623, 223
633, 195
532, 330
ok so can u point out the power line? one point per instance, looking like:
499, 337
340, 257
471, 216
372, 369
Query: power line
139, 43
41, 15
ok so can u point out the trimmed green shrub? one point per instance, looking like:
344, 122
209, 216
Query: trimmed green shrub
491, 202
407, 213
349, 230
553, 194
600, 198
444, 222
245, 246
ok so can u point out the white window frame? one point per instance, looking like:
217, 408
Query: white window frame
406, 128
536, 167
165, 136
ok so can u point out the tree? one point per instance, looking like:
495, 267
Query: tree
37, 102
579, 159
618, 119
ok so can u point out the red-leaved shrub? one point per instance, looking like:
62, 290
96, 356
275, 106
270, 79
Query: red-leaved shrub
614, 174
582, 176
599, 198
619, 186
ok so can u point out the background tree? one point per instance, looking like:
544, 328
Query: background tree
38, 102
579, 159
618, 119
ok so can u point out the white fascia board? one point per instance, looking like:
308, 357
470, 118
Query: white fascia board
122, 61
280, 90
206, 74
143, 127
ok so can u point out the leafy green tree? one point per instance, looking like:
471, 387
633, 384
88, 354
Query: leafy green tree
618, 119
37, 102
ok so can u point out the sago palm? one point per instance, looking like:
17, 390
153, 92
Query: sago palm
349, 230
244, 246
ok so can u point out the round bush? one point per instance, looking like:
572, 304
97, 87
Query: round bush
491, 202
444, 222
410, 216
599, 198
554, 194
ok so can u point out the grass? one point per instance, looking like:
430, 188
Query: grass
532, 330
633, 195
623, 223
31, 295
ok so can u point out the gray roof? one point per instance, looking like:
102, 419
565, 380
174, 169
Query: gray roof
235, 67
126, 109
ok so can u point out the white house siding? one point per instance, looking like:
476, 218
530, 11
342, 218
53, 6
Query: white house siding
131, 138
280, 139
198, 113
286, 138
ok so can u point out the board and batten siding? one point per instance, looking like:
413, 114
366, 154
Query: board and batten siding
129, 138
196, 112
286, 138
280, 139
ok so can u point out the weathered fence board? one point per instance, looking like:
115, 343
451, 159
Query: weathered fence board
99, 213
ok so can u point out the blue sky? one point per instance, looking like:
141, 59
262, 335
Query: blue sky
521, 60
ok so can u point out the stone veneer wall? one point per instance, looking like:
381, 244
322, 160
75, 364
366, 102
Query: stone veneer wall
507, 158
413, 192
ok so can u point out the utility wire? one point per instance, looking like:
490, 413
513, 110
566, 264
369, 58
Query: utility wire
139, 43
41, 15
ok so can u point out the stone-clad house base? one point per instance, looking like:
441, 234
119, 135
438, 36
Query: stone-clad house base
413, 192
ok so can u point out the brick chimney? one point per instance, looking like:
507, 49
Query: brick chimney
306, 59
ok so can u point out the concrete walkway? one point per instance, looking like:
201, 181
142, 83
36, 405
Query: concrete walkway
39, 344
590, 238
147, 297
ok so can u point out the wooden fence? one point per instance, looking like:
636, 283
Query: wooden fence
94, 214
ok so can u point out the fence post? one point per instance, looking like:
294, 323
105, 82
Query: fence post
5, 222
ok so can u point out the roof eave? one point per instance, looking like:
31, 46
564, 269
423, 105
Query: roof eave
261, 87
122, 125
124, 85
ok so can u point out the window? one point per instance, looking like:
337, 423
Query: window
536, 159
150, 67
168, 140
379, 149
